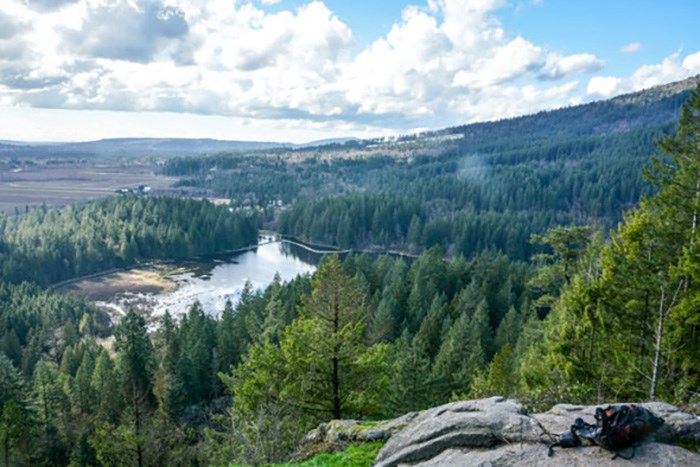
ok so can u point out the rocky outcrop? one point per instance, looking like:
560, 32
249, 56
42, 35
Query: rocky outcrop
498, 432
338, 434
354, 431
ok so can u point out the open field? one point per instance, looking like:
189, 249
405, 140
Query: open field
60, 185
142, 280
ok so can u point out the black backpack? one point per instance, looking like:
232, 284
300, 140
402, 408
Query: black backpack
617, 427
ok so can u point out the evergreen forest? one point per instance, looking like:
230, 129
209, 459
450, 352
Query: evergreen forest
551, 258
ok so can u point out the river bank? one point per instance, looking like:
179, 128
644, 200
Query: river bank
155, 288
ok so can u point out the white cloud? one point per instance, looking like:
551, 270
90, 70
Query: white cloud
505, 63
558, 66
444, 62
605, 86
692, 63
127, 31
670, 69
631, 48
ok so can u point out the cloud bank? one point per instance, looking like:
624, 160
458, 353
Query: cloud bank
445, 62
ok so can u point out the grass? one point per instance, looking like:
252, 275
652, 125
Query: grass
356, 455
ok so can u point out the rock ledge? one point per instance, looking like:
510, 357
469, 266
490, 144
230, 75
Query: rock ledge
498, 432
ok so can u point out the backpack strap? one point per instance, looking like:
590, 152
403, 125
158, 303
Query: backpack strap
584, 430
620, 455
567, 439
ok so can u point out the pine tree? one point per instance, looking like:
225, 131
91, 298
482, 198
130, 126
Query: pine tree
413, 387
338, 306
50, 405
82, 395
500, 379
15, 433
481, 337
430, 334
322, 368
508, 331
626, 323
105, 388
135, 367
11, 383
226, 348
453, 367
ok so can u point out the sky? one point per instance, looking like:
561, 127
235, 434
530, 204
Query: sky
300, 70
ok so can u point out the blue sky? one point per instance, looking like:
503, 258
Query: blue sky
297, 70
604, 26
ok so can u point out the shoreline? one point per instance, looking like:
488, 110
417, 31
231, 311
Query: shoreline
311, 246
149, 264
159, 276
276, 237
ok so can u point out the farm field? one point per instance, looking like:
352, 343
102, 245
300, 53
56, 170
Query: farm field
60, 185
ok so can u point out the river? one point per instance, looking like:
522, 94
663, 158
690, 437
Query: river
211, 281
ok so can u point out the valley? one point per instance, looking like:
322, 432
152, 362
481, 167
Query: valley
550, 258
31, 182
322, 233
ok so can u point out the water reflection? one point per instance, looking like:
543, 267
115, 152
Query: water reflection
214, 280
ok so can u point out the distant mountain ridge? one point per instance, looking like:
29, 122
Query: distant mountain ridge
653, 107
148, 147
133, 147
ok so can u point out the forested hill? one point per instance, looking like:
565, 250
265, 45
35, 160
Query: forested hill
654, 107
489, 185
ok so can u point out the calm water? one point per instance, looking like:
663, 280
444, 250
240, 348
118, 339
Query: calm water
219, 279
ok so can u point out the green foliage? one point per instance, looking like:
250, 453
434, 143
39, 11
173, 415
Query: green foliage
158, 441
47, 245
586, 321
103, 384
500, 379
626, 325
135, 362
11, 382
468, 188
355, 455
135, 367
412, 386
322, 369
15, 433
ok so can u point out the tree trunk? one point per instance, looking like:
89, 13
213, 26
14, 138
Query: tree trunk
336, 388
336, 375
645, 318
694, 226
137, 423
657, 354
663, 314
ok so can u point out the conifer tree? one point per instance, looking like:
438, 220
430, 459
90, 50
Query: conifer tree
135, 367
626, 323
338, 306
226, 349
105, 388
430, 334
413, 387
15, 433
50, 403
82, 395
